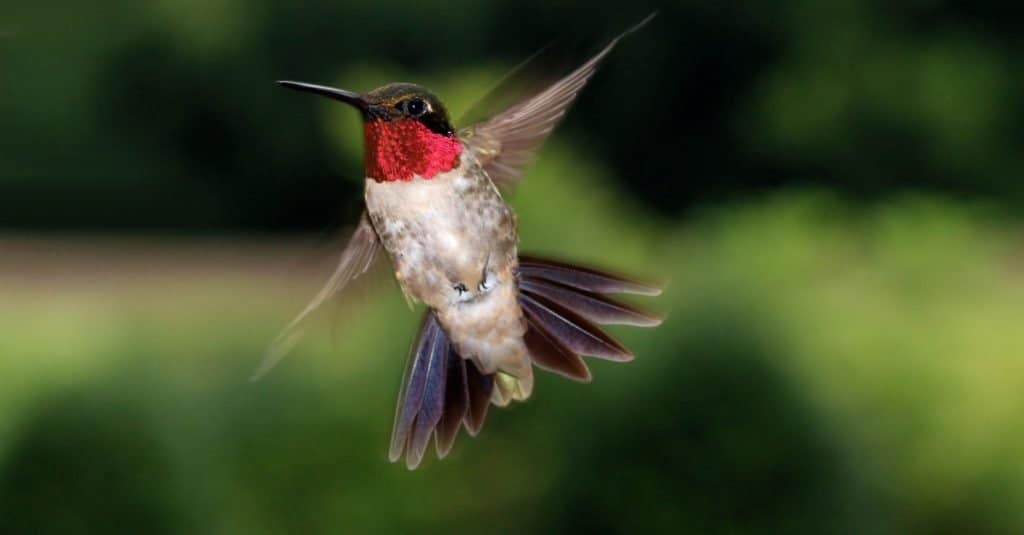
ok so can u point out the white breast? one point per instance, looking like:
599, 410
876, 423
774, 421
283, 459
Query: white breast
449, 230
425, 228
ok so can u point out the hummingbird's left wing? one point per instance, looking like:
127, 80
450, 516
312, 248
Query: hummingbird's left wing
357, 258
505, 143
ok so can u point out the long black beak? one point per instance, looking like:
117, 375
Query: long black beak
348, 97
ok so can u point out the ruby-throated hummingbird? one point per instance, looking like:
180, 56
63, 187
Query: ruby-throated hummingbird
433, 203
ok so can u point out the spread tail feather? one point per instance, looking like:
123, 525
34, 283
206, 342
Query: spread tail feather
440, 392
421, 400
563, 306
582, 278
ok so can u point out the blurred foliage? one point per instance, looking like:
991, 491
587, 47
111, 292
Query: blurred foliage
822, 369
828, 365
162, 115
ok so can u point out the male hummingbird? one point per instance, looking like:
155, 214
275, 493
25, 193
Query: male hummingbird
433, 204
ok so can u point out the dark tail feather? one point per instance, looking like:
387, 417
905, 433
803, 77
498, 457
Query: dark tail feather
572, 330
440, 392
456, 403
594, 307
581, 278
550, 353
562, 303
421, 399
480, 388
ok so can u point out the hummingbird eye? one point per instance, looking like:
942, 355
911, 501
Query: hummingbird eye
413, 107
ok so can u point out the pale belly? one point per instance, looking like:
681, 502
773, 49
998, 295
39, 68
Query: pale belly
449, 237
452, 240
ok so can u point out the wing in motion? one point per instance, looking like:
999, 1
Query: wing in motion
357, 258
505, 143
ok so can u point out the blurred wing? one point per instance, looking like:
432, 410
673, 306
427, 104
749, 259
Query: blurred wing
357, 258
505, 143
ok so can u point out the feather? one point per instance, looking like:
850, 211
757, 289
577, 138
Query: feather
591, 306
582, 278
506, 143
456, 404
432, 406
480, 387
357, 258
550, 354
576, 333
414, 381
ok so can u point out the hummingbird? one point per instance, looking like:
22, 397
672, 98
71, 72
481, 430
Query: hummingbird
434, 207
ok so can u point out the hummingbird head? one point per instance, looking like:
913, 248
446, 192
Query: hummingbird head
405, 127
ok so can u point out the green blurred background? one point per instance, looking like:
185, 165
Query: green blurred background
833, 190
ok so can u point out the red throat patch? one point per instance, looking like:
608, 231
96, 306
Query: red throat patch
403, 148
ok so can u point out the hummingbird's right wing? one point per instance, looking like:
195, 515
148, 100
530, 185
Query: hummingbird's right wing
505, 144
357, 258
